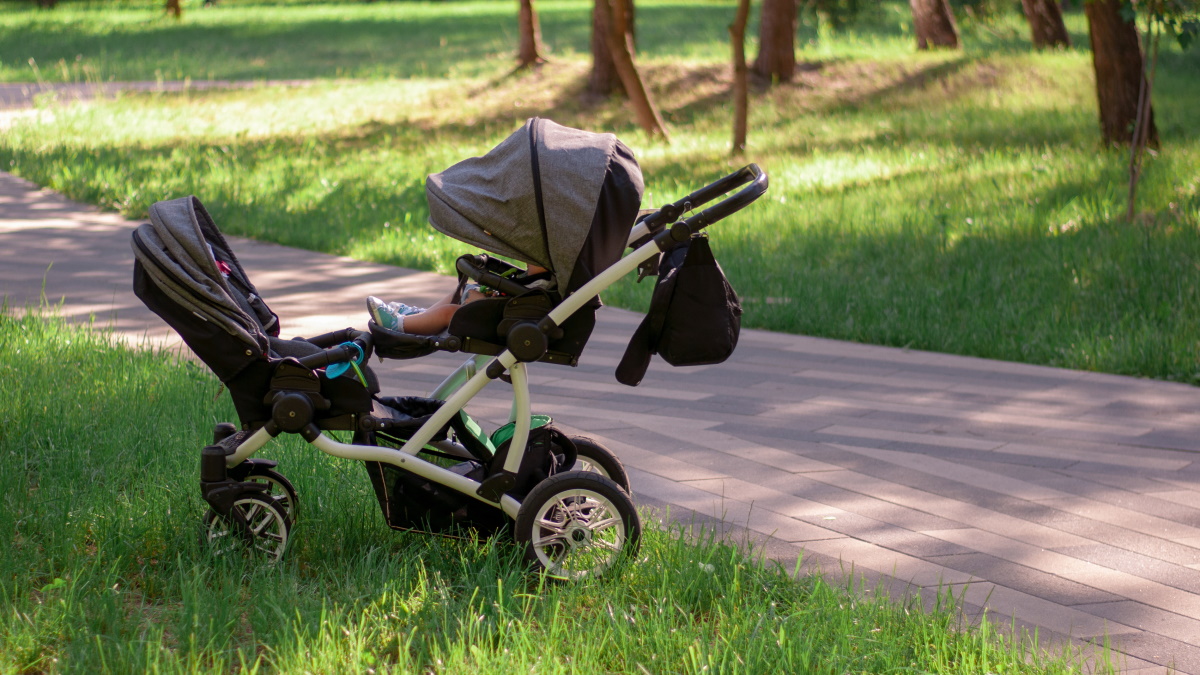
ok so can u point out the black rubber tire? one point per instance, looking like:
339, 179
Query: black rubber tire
281, 488
255, 526
600, 457
570, 503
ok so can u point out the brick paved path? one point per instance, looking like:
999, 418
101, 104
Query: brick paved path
1063, 498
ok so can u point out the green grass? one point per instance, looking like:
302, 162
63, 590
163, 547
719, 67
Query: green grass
956, 202
101, 569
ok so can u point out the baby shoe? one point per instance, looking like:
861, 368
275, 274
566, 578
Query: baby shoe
388, 315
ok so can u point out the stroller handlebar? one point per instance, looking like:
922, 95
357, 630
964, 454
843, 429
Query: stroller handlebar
755, 181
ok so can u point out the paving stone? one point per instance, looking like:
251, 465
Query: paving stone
959, 473
1028, 580
903, 567
1110, 477
1180, 552
659, 465
1150, 619
1125, 463
1152, 504
1154, 569
1185, 497
964, 513
1116, 582
835, 432
1181, 657
729, 509
798, 430
1125, 518
896, 474
992, 417
853, 502
732, 405
1000, 464
780, 460
1174, 441
1150, 409
1038, 611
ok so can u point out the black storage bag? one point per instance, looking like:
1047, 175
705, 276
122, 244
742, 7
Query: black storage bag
695, 316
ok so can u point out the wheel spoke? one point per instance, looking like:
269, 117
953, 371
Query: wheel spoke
552, 539
604, 524
265, 517
606, 545
581, 503
254, 525
579, 529
557, 528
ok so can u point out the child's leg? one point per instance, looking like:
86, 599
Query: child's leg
448, 300
430, 322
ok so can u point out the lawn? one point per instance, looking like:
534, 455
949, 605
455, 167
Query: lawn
956, 202
103, 570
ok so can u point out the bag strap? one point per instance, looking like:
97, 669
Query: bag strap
644, 342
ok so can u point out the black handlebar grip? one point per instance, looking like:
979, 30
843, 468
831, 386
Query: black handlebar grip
680, 231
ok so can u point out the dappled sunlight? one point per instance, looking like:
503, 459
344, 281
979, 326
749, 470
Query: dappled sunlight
283, 111
833, 172
953, 201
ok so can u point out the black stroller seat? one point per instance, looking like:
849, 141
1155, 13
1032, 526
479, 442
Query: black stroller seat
186, 272
551, 196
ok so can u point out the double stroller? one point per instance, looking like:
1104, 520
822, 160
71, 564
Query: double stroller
560, 198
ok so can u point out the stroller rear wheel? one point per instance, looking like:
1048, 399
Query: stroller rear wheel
596, 458
577, 524
255, 525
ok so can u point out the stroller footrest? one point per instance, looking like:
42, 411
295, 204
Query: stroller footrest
494, 487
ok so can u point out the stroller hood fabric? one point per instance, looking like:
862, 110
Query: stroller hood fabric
178, 252
548, 195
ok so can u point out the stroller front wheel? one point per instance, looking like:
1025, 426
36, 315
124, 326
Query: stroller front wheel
577, 524
255, 525
280, 488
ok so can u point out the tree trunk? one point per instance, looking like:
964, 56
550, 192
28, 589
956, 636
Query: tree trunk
776, 59
741, 88
620, 47
529, 47
1046, 23
604, 79
934, 24
1117, 58
174, 8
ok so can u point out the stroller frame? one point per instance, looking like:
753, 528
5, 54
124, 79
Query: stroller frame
247, 510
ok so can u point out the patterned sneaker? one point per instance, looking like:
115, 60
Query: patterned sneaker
390, 315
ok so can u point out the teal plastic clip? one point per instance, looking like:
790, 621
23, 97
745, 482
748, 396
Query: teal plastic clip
337, 369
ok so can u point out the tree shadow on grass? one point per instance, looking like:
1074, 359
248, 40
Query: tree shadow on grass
363, 43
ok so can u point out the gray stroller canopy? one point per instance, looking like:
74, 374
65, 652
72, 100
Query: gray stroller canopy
548, 195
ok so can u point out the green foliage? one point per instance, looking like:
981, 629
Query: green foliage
1179, 18
102, 569
951, 202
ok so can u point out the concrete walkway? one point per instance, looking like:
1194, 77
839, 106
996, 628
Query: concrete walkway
1065, 499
